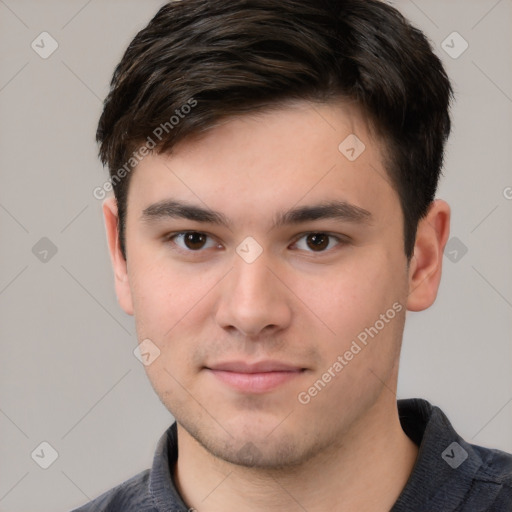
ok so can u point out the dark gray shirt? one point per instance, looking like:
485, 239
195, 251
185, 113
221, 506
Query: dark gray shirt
449, 474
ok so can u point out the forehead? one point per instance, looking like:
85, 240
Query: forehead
298, 153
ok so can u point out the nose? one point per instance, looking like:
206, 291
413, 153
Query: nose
253, 301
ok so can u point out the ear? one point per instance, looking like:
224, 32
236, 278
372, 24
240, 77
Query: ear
119, 264
426, 263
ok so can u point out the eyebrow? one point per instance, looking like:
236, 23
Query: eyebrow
337, 210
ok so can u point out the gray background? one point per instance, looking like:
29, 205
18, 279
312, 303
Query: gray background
68, 375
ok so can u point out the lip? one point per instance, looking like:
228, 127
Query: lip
256, 367
259, 377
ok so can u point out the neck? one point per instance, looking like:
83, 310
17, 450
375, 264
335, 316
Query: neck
366, 472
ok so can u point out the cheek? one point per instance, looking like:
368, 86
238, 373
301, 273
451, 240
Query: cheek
348, 291
172, 307
362, 303
161, 290
353, 295
158, 302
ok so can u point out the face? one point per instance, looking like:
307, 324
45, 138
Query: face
267, 266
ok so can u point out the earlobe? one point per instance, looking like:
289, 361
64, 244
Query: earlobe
119, 264
426, 263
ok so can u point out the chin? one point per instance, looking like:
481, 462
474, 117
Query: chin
265, 445
258, 454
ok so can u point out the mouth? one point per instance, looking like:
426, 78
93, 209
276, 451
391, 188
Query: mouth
258, 377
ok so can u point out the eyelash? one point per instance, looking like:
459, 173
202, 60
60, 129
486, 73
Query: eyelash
170, 238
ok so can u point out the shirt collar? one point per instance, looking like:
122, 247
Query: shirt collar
161, 483
445, 466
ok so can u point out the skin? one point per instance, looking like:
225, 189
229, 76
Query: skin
239, 450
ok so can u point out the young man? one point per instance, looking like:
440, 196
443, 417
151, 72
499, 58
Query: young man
275, 167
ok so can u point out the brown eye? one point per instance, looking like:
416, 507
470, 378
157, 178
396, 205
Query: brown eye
317, 241
194, 241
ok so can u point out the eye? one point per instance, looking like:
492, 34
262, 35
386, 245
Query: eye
193, 241
317, 242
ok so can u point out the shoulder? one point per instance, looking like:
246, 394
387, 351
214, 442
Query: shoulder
494, 477
451, 473
131, 496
